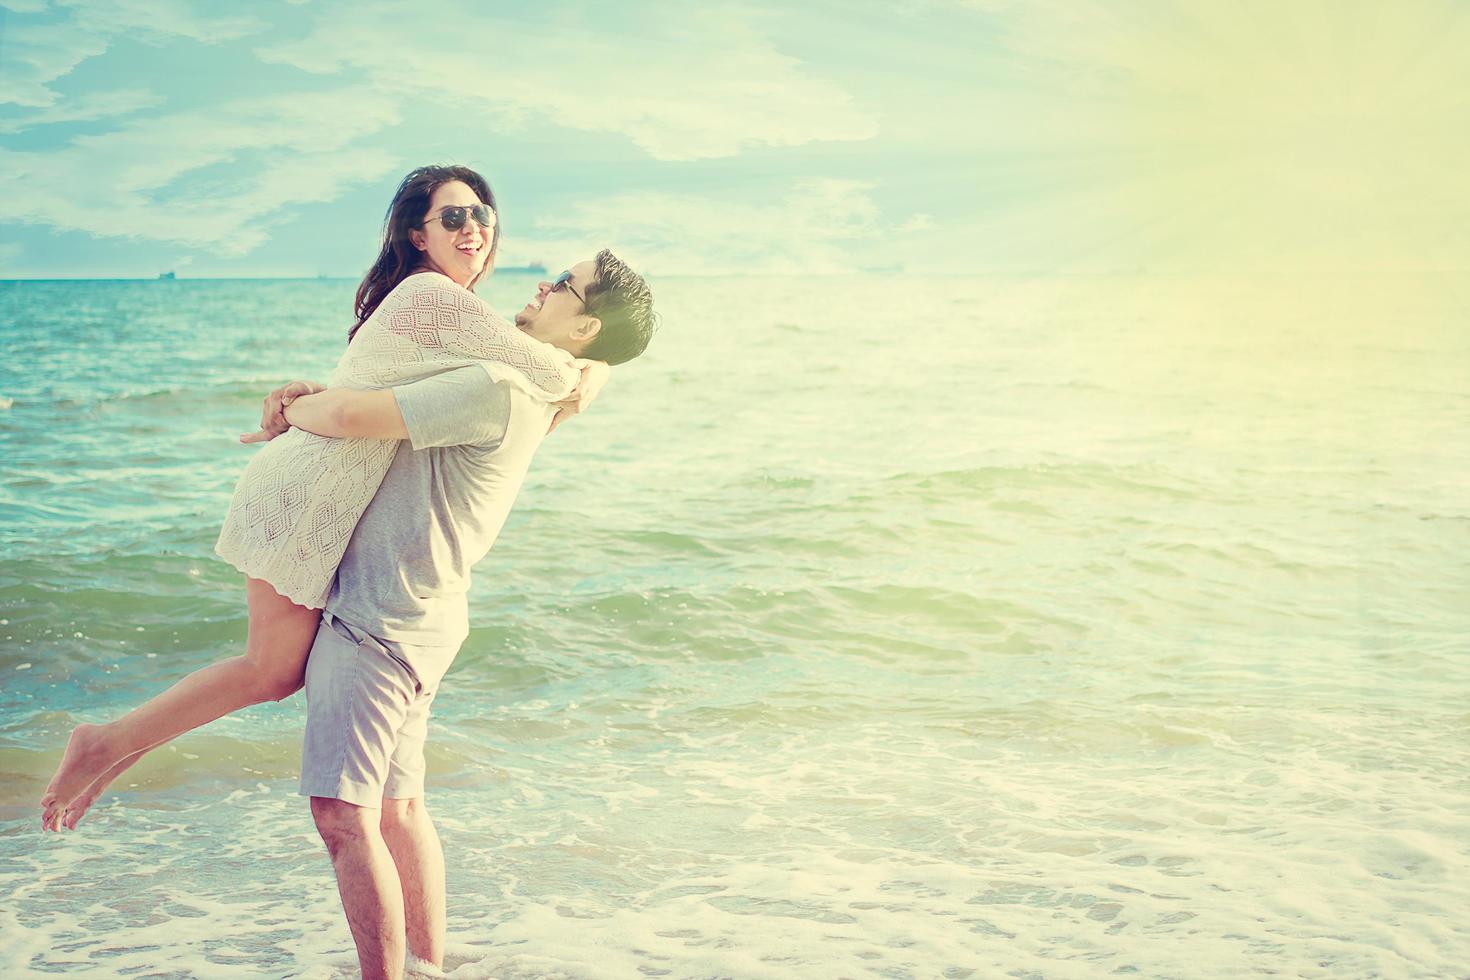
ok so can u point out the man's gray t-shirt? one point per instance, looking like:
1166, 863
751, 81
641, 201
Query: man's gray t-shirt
406, 571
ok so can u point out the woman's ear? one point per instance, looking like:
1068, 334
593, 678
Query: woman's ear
417, 238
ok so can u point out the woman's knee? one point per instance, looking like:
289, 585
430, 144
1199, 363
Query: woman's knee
274, 682
279, 687
277, 655
266, 686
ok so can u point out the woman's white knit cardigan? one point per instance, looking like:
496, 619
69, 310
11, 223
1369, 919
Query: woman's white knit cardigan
300, 498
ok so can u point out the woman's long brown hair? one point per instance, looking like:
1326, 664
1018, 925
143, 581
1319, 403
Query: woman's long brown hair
398, 258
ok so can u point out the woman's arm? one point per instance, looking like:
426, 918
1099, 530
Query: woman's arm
595, 375
479, 334
348, 412
273, 410
338, 412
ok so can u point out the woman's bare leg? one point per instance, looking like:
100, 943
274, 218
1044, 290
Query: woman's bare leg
271, 668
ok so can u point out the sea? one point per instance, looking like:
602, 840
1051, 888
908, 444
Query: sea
877, 625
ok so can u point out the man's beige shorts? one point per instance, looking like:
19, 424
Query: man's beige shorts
367, 715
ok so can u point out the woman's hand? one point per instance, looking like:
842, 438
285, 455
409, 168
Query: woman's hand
273, 410
594, 376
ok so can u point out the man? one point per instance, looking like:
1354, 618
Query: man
397, 613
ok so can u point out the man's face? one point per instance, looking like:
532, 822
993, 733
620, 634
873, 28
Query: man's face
558, 316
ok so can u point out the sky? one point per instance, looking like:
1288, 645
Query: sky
926, 136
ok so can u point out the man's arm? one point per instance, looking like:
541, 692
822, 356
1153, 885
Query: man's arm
348, 412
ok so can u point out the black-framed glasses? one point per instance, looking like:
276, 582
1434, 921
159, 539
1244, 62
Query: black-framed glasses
454, 216
565, 279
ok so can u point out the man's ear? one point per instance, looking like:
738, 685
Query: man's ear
588, 329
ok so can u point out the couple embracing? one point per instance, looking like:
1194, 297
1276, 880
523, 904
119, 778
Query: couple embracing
357, 525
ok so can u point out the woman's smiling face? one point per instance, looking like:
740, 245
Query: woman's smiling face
459, 254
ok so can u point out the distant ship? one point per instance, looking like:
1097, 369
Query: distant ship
166, 275
534, 269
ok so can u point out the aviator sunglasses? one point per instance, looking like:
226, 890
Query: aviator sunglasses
565, 280
454, 216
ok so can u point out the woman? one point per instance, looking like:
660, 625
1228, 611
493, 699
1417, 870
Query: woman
300, 497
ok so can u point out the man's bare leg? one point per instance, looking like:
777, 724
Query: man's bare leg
419, 858
280, 637
368, 883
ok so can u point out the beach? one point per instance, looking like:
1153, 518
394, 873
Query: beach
868, 626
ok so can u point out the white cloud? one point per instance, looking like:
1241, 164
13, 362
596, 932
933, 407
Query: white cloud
697, 86
814, 228
141, 180
163, 19
665, 85
84, 108
37, 52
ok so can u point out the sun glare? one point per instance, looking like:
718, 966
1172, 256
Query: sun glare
1306, 134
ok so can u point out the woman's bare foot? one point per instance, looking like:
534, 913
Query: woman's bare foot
79, 806
88, 756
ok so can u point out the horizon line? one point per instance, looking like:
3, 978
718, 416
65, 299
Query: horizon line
1136, 273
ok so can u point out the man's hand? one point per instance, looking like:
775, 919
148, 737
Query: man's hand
273, 410
594, 376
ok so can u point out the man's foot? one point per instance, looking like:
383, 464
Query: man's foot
87, 757
419, 969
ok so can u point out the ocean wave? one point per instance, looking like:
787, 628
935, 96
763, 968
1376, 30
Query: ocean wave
1151, 480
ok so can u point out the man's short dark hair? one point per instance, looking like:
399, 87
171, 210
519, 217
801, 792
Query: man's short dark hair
620, 298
